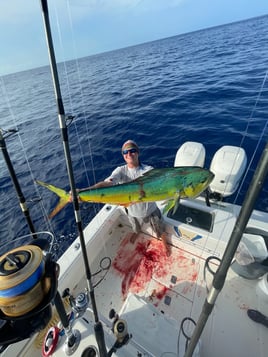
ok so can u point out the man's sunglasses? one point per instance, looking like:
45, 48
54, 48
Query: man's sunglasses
131, 151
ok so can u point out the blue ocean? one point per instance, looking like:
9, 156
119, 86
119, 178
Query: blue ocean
206, 86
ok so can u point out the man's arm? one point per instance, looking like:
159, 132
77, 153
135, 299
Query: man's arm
97, 185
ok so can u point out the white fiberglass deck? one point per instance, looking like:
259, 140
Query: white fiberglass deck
154, 293
175, 287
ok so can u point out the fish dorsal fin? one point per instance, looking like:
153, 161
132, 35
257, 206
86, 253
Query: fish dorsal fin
168, 172
149, 175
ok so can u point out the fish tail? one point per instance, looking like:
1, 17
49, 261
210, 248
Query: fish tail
63, 195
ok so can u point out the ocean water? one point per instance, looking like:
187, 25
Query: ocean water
207, 86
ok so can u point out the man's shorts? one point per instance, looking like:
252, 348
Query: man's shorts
155, 219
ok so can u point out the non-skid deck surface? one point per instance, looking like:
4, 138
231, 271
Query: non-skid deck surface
144, 269
175, 286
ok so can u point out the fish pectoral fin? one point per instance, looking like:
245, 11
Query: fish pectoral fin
169, 204
176, 203
172, 204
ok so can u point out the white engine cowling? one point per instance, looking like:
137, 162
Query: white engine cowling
190, 154
228, 166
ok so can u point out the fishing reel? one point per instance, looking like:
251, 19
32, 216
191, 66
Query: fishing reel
79, 304
120, 330
28, 284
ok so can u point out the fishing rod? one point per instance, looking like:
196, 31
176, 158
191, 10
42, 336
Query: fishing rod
99, 333
252, 194
15, 181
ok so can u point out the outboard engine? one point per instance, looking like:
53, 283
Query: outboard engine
190, 154
228, 166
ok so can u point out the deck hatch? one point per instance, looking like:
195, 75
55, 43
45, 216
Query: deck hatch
193, 217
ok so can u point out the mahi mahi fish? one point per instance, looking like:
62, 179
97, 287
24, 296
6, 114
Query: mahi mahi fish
164, 184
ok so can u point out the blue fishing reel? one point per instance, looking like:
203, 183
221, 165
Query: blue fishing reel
28, 284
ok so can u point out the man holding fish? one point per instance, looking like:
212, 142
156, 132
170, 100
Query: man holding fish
138, 213
137, 187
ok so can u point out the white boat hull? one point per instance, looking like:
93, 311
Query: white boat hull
154, 293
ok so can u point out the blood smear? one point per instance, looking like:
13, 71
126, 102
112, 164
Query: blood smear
138, 263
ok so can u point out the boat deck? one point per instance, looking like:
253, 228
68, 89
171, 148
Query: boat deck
154, 293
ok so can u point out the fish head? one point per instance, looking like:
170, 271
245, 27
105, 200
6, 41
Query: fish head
197, 182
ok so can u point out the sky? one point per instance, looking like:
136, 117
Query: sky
86, 27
